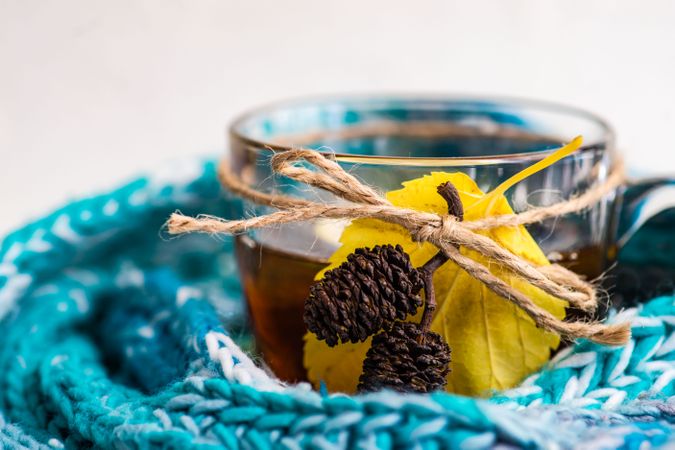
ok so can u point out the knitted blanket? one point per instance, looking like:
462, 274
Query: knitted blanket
114, 336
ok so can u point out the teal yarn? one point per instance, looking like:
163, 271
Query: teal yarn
114, 336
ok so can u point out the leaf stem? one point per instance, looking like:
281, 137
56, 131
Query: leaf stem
449, 193
427, 272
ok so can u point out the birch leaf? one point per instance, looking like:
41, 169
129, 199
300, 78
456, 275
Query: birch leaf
494, 343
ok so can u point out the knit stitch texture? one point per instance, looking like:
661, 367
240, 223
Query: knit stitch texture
115, 337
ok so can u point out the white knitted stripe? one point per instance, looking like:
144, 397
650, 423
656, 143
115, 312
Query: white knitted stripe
223, 351
12, 289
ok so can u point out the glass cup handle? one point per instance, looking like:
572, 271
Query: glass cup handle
643, 200
643, 252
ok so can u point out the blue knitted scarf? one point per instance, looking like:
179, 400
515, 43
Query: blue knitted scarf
114, 336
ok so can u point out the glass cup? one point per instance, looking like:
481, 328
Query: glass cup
384, 141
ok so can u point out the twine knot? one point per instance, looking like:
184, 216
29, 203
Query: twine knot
444, 231
440, 228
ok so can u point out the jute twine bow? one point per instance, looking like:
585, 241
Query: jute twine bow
443, 231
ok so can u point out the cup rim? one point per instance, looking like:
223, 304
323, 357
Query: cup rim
606, 139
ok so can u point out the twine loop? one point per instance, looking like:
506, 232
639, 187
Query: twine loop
443, 231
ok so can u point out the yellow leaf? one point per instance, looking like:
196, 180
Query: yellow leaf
494, 343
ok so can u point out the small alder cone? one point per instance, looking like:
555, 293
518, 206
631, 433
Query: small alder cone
406, 359
364, 295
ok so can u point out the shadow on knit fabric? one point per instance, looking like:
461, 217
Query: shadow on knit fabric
140, 339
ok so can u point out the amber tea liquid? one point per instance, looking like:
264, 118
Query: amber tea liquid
276, 284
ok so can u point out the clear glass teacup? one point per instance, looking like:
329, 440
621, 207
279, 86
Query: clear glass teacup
385, 141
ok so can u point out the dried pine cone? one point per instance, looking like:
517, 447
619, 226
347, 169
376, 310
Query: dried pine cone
364, 295
396, 360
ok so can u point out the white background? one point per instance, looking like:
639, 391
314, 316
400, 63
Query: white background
93, 92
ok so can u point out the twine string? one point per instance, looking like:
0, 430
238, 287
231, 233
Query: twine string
443, 231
